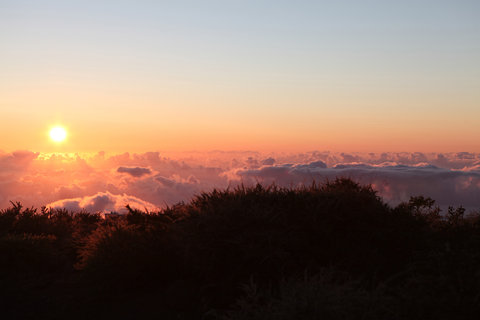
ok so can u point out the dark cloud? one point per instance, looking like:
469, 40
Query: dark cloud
165, 182
268, 162
134, 172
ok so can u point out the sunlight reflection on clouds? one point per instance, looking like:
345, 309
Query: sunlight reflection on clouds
102, 182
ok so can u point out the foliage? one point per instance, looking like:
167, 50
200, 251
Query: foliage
364, 258
324, 296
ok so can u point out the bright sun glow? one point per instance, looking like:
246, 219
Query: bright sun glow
58, 134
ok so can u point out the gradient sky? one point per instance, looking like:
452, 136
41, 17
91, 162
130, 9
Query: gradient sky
241, 75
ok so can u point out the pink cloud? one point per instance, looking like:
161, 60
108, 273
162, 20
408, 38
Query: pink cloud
164, 179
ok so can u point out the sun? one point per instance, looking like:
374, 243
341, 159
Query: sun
58, 134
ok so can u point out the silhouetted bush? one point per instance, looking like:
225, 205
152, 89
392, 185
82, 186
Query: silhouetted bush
273, 232
124, 255
324, 296
27, 253
192, 259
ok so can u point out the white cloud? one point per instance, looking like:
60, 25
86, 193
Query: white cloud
103, 202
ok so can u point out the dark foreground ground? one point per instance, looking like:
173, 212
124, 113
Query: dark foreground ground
331, 251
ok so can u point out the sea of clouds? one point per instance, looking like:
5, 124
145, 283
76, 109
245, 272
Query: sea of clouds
152, 180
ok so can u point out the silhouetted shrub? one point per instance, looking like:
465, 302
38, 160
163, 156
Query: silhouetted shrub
270, 231
27, 253
119, 254
407, 262
323, 296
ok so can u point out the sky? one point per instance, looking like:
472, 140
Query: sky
163, 100
268, 76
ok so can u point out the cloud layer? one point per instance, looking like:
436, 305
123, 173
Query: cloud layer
100, 182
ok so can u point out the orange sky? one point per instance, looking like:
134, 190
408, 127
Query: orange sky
143, 76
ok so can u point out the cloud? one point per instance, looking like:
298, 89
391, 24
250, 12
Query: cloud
395, 182
16, 160
268, 162
103, 202
96, 181
134, 172
165, 181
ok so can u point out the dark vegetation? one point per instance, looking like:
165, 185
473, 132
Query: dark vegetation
330, 251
